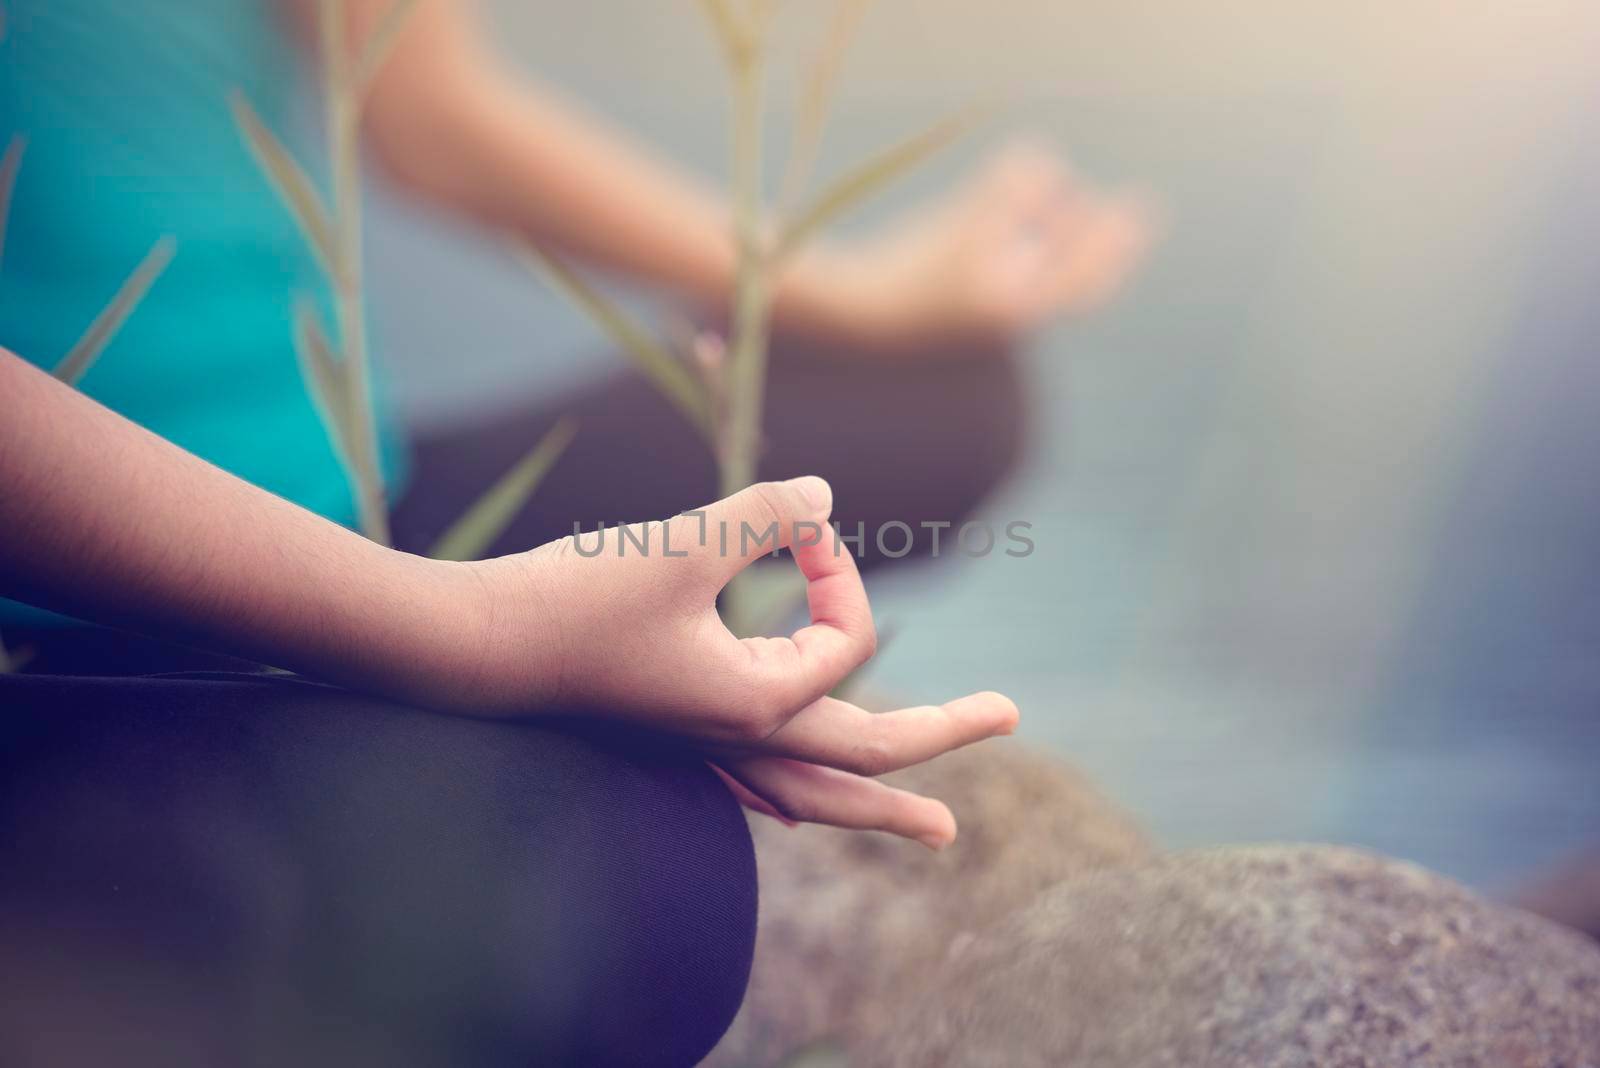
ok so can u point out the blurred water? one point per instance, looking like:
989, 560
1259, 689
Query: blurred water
1315, 522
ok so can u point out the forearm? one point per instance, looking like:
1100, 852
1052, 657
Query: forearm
453, 123
523, 161
103, 520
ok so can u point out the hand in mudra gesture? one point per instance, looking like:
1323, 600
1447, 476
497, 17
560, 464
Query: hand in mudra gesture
623, 623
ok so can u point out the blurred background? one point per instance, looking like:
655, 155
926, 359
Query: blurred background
1318, 529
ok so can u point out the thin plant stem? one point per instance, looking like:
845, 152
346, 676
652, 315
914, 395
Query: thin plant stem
470, 536
747, 363
293, 185
76, 363
732, 33
381, 41
735, 390
10, 163
867, 177
342, 100
339, 374
669, 374
816, 98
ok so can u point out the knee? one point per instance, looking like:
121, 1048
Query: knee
615, 902
396, 887
519, 893
658, 898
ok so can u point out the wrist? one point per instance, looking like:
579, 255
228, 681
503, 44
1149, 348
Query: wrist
834, 294
410, 630
481, 639
810, 296
445, 655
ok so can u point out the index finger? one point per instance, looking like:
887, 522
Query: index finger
838, 734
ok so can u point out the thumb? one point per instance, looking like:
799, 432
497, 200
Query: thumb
763, 518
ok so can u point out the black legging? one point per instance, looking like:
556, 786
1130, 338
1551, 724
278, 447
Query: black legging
262, 870
234, 870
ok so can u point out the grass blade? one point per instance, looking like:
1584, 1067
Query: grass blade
869, 177
105, 326
380, 43
10, 163
324, 374
470, 536
817, 96
670, 375
290, 180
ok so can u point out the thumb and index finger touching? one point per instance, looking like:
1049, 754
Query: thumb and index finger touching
839, 747
768, 516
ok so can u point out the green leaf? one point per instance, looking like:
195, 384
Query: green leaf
10, 163
380, 43
77, 362
869, 177
669, 374
294, 186
470, 536
324, 374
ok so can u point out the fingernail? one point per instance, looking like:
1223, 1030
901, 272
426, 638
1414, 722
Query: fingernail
933, 841
815, 491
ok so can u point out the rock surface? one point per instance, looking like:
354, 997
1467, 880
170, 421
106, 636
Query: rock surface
1254, 956
848, 920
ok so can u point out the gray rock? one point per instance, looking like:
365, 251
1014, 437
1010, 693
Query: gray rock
1254, 956
848, 920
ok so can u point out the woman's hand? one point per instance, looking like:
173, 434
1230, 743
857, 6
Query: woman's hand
623, 623
1021, 243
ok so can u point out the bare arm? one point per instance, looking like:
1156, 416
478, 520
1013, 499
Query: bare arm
452, 122
108, 522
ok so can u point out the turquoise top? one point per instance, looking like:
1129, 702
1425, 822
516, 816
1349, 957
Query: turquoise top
129, 136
